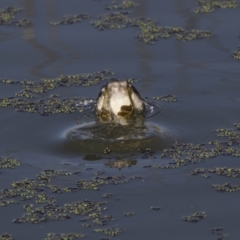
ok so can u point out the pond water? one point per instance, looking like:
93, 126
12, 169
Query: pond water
140, 176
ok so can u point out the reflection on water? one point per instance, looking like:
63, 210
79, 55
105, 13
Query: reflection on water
95, 138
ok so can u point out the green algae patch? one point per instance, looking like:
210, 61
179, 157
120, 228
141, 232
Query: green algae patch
150, 31
7, 16
8, 162
195, 217
71, 19
63, 236
166, 98
124, 5
6, 236
236, 54
207, 6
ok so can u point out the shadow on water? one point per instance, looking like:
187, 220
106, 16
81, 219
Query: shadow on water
95, 140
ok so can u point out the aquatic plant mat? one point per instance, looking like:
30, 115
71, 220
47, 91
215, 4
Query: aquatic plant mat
41, 197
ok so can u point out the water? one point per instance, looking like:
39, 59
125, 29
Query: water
201, 74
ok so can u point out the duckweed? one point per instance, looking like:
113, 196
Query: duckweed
166, 98
227, 172
63, 236
121, 163
6, 236
150, 31
53, 212
129, 214
124, 5
147, 153
198, 170
155, 208
236, 54
8, 162
226, 187
9, 13
183, 154
211, 5
193, 35
54, 104
33, 89
107, 195
71, 19
96, 182
219, 233
195, 217
110, 231
107, 150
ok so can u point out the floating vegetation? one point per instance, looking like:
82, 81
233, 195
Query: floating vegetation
114, 20
183, 154
226, 187
107, 150
129, 214
198, 170
147, 153
9, 13
195, 217
155, 208
46, 107
193, 35
53, 212
6, 236
97, 173
166, 98
8, 162
221, 171
211, 5
107, 195
71, 19
236, 54
63, 236
96, 182
54, 104
86, 225
110, 231
33, 89
227, 172
150, 31
219, 234
121, 163
123, 6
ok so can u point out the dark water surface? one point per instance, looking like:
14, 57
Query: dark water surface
202, 75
